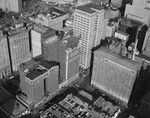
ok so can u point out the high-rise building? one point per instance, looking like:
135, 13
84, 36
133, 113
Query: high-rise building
11, 5
37, 34
69, 58
88, 24
139, 11
146, 45
50, 47
144, 108
117, 3
38, 79
5, 68
18, 42
114, 74
141, 3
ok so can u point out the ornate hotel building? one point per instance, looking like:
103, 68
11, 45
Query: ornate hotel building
114, 74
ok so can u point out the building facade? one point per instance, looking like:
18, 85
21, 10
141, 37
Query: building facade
19, 48
11, 5
110, 30
37, 34
114, 74
139, 11
39, 79
146, 44
69, 59
50, 48
117, 3
88, 24
52, 20
5, 68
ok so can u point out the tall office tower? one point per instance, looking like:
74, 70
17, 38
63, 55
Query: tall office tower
146, 45
114, 74
117, 3
38, 79
69, 58
50, 47
88, 24
139, 11
11, 5
144, 108
5, 68
37, 34
19, 48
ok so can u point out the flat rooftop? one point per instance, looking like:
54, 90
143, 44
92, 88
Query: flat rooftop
33, 74
34, 69
94, 6
107, 53
72, 41
86, 9
48, 64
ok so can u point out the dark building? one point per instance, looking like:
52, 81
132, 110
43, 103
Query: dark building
145, 105
50, 46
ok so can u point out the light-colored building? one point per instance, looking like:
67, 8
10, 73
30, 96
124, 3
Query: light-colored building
52, 20
138, 11
5, 68
69, 59
122, 35
11, 5
83, 2
117, 3
114, 74
20, 51
37, 34
110, 30
114, 12
141, 3
146, 44
88, 24
38, 79
99, 2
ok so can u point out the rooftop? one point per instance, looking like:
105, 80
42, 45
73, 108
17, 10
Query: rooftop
35, 69
40, 28
86, 9
48, 64
17, 31
123, 33
72, 41
96, 7
33, 74
28, 65
107, 53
